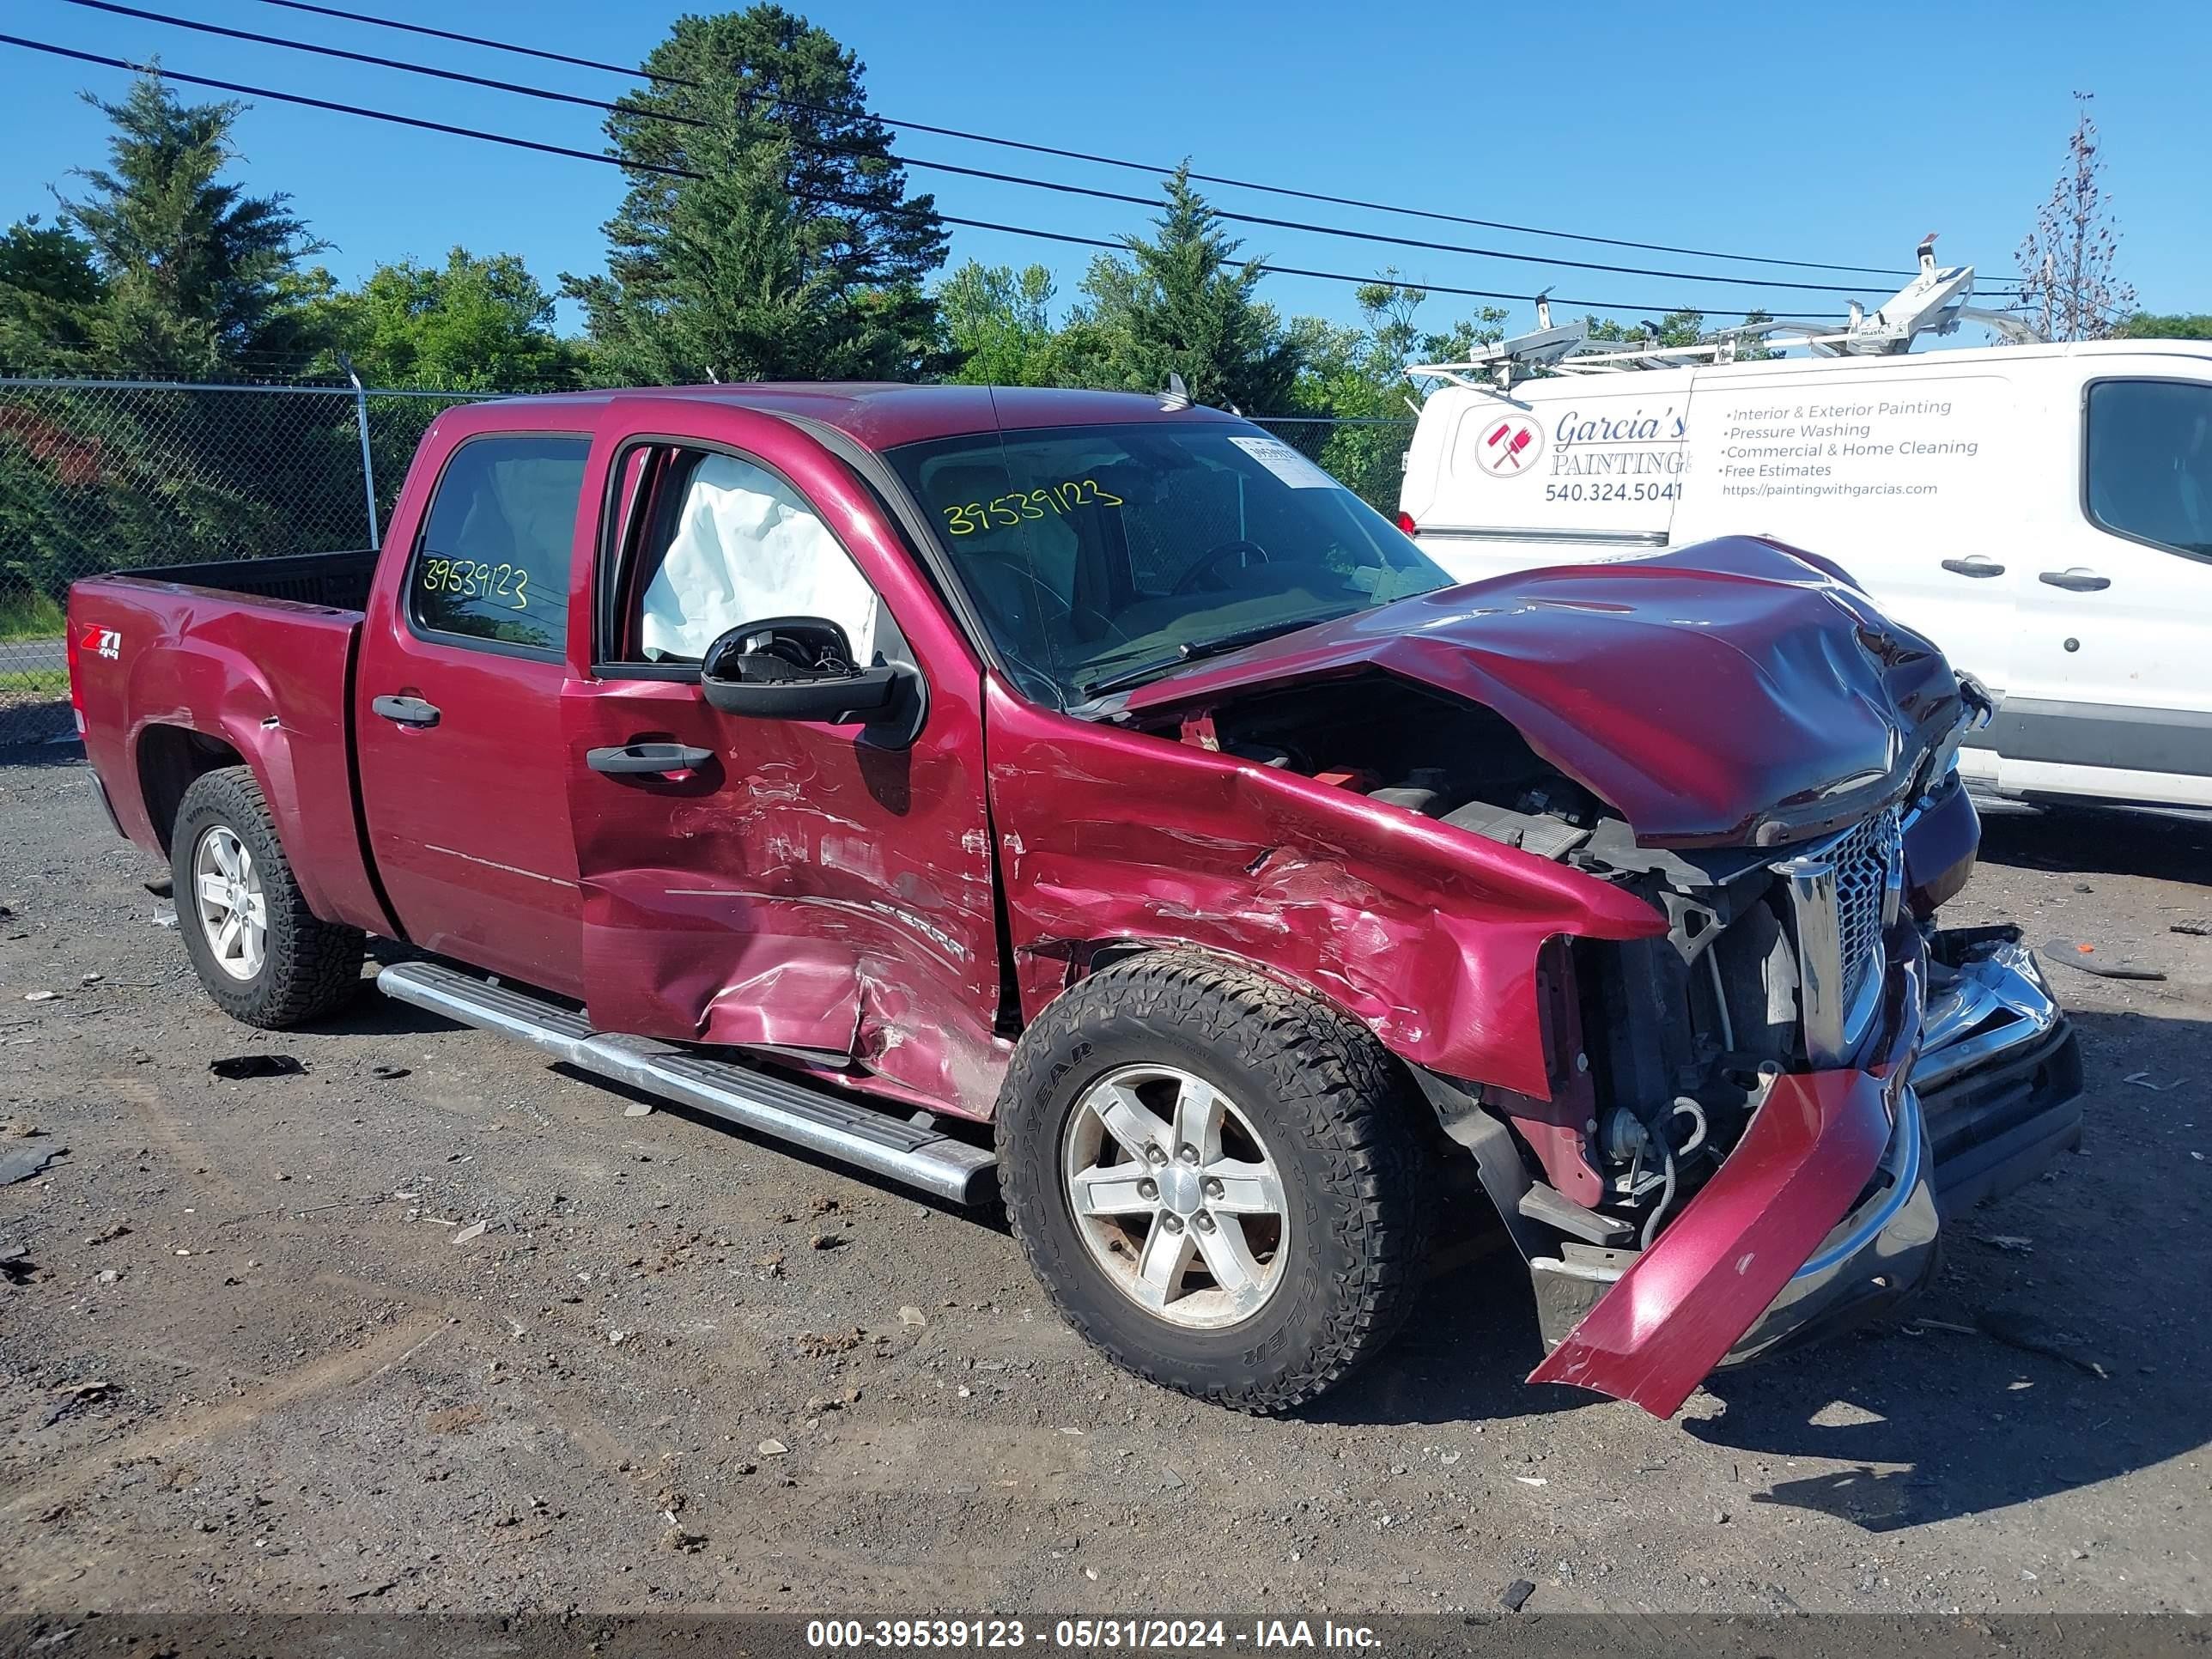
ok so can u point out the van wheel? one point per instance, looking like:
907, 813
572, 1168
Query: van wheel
1217, 1180
264, 956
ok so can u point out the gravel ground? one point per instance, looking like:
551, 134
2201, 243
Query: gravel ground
252, 1360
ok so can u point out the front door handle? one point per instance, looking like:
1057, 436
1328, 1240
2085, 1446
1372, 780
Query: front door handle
633, 759
1976, 566
2077, 580
406, 711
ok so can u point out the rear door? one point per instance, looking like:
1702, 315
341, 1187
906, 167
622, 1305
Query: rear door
2113, 698
779, 884
457, 706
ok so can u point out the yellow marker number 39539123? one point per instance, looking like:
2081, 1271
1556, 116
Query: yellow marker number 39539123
971, 518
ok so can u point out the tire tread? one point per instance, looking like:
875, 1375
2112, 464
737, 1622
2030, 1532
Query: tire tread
1353, 1096
314, 966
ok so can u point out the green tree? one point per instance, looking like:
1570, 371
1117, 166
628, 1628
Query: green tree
48, 287
1356, 375
795, 252
1676, 328
473, 324
1679, 328
997, 323
2143, 325
170, 270
198, 276
1178, 304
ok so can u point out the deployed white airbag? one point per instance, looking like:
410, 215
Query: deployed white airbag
747, 549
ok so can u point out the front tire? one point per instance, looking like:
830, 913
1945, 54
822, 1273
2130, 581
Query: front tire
264, 956
1216, 1179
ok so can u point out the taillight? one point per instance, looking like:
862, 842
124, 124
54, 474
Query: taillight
77, 688
1406, 523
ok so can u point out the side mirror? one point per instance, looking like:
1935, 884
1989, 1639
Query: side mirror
800, 668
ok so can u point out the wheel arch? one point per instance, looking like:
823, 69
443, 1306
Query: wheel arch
170, 758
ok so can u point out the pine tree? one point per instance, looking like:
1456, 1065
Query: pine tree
1178, 304
796, 254
48, 288
197, 273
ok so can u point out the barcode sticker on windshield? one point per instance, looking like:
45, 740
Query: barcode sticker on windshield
1285, 463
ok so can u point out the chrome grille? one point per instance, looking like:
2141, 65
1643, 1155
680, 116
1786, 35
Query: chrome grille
1863, 862
1841, 892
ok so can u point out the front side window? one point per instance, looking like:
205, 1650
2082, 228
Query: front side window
492, 563
1098, 557
722, 543
2149, 462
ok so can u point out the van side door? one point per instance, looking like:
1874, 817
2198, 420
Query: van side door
1905, 471
2113, 695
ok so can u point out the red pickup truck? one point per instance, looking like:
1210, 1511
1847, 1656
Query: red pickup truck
1082, 794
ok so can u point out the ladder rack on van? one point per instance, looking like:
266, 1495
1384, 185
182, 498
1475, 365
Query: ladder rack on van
1935, 302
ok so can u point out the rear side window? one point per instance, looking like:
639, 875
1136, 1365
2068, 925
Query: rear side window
2150, 463
492, 561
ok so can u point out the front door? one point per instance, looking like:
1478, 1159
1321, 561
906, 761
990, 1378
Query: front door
457, 705
778, 885
2113, 698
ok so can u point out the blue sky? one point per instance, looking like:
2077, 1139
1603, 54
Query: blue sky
1828, 133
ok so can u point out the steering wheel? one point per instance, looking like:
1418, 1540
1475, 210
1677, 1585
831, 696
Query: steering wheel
1251, 550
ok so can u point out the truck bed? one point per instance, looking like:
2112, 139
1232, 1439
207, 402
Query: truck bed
339, 580
179, 668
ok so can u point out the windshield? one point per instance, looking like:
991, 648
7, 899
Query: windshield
1101, 556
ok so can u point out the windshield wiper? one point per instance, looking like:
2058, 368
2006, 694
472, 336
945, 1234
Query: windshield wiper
1193, 651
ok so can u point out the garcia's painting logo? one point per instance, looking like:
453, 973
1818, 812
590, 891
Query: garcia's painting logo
1509, 447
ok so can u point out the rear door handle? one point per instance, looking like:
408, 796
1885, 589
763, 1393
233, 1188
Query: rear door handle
2076, 581
633, 759
1976, 566
406, 711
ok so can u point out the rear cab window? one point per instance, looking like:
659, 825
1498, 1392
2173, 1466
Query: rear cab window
490, 568
2147, 468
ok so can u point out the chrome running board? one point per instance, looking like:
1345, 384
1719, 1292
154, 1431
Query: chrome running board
777, 1107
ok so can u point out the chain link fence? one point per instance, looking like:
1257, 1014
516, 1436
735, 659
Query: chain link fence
116, 475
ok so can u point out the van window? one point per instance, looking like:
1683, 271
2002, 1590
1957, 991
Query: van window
725, 543
492, 564
2148, 464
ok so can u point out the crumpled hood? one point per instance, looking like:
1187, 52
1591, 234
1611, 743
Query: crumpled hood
1702, 692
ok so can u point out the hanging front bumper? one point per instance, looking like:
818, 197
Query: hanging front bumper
1988, 1100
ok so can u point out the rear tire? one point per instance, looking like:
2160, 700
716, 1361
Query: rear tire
264, 956
1172, 1082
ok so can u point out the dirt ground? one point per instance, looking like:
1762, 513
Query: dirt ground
252, 1360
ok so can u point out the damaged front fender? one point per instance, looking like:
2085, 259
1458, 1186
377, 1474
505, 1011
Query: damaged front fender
1428, 936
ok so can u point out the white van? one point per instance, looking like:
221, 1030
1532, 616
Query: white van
2043, 513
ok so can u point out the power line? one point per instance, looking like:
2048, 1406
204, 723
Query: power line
1101, 160
373, 60
1379, 238
479, 40
569, 153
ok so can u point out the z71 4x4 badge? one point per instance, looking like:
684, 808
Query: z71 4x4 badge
102, 641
